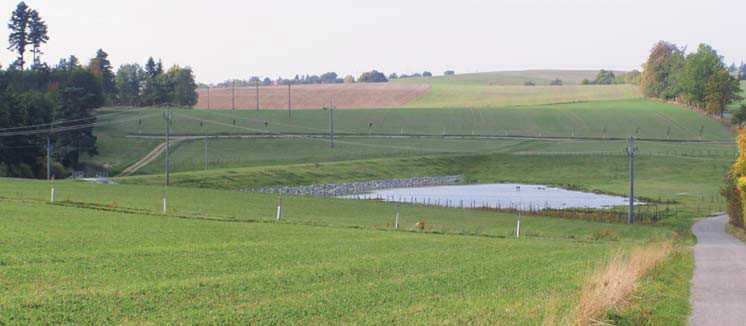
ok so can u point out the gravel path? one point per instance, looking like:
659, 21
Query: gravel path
719, 282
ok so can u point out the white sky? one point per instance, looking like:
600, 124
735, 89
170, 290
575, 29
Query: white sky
224, 39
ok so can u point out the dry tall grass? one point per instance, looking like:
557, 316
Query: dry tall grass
612, 284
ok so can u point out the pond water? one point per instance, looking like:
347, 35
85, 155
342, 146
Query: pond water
502, 195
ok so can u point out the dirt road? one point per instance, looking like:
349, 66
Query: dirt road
719, 282
157, 151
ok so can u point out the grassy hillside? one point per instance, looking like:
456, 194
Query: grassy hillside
539, 77
491, 96
619, 118
506, 88
612, 119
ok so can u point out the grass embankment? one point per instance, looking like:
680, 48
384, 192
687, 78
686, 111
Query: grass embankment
612, 119
619, 118
238, 206
111, 258
670, 178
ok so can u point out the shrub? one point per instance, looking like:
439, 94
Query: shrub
740, 115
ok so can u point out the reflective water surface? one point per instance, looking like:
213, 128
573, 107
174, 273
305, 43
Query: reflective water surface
498, 195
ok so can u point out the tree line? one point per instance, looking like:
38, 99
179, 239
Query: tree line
699, 79
33, 99
373, 76
151, 85
40, 103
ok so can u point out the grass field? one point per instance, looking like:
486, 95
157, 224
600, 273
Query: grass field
72, 265
619, 118
539, 77
612, 119
108, 254
506, 88
490, 96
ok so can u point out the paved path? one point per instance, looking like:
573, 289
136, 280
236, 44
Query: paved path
719, 282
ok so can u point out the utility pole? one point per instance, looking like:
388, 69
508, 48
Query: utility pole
233, 96
167, 116
205, 158
257, 96
331, 125
202, 125
208, 97
290, 115
49, 156
631, 150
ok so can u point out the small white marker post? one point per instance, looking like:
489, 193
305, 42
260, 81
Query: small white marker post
51, 196
165, 205
396, 224
518, 227
279, 207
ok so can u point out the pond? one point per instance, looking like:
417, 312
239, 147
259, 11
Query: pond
498, 195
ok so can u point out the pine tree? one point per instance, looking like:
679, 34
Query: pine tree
101, 67
18, 37
37, 35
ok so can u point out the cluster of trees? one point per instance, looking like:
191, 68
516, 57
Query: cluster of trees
739, 71
27, 28
608, 77
325, 78
417, 74
39, 103
699, 79
135, 85
37, 100
373, 76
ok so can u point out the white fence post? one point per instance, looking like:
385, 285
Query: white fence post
165, 205
396, 224
518, 227
52, 195
279, 207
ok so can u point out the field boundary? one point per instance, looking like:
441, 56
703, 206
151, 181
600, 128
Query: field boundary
414, 135
231, 219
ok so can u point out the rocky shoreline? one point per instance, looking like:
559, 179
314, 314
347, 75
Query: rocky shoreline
360, 187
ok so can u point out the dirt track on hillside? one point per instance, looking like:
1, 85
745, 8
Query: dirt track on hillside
362, 95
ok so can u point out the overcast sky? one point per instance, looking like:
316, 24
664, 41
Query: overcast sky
222, 39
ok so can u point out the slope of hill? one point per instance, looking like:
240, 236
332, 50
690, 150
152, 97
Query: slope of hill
539, 77
361, 95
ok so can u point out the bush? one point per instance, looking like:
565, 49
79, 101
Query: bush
372, 77
556, 82
449, 73
740, 115
529, 83
733, 201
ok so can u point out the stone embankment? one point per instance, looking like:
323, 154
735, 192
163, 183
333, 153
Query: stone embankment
352, 188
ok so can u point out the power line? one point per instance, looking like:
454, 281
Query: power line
54, 130
48, 125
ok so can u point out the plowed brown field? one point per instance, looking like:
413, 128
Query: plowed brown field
370, 95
